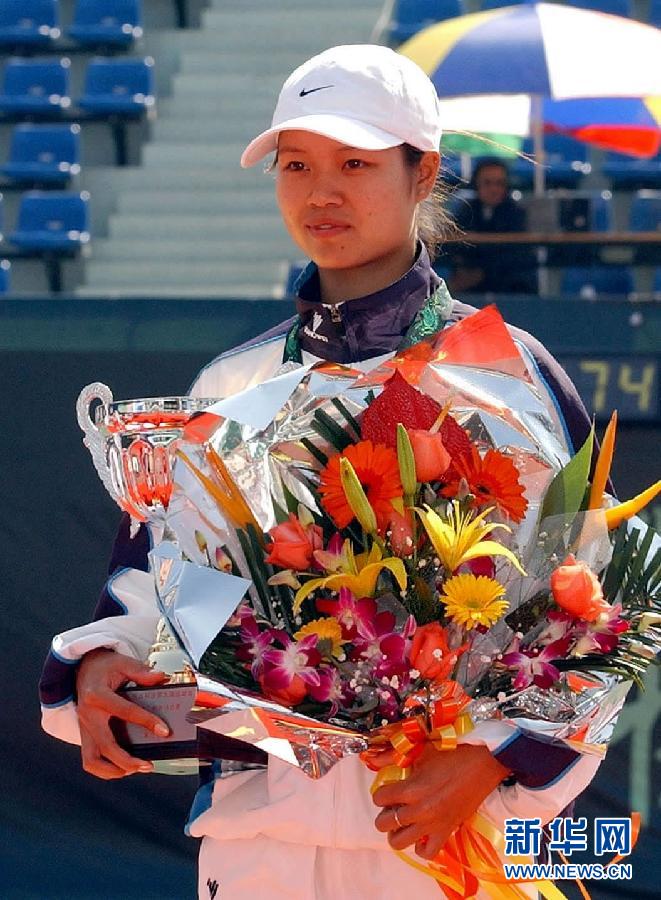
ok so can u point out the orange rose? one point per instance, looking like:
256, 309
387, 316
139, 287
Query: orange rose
290, 696
293, 545
431, 457
576, 589
430, 653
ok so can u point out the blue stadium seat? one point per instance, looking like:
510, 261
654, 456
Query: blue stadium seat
656, 283
566, 163
630, 173
496, 4
614, 7
123, 87
5, 276
106, 23
645, 213
586, 211
590, 282
654, 15
35, 88
47, 154
52, 222
28, 24
410, 16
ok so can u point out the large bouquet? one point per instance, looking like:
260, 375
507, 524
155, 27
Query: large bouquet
416, 551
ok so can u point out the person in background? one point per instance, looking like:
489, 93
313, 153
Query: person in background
491, 268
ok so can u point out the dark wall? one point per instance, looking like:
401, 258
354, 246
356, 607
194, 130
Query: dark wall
66, 834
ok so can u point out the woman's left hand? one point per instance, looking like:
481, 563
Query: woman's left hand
444, 789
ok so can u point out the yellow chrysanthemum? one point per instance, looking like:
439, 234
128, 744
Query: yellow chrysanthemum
472, 600
329, 635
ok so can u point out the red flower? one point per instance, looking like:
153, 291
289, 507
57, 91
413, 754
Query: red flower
378, 472
493, 479
430, 653
293, 545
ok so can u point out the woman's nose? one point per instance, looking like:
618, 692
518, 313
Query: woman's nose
324, 192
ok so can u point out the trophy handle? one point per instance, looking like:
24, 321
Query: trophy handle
94, 440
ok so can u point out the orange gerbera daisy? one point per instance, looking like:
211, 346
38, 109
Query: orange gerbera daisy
493, 479
378, 472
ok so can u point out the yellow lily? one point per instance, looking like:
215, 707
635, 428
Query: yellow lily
359, 576
461, 538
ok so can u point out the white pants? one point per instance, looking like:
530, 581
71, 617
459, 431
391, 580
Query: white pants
267, 869
275, 834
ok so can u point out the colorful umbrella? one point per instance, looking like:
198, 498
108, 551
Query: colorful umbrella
624, 124
542, 50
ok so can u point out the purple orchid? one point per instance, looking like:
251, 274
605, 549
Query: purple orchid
535, 666
352, 614
602, 635
255, 642
297, 659
330, 688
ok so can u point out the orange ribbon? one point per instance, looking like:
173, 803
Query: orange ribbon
470, 859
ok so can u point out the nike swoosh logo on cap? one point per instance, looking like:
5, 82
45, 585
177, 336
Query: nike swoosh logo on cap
304, 93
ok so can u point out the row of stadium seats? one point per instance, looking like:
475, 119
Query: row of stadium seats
35, 24
567, 163
41, 88
585, 211
410, 16
586, 282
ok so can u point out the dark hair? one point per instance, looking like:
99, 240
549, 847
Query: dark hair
486, 162
434, 222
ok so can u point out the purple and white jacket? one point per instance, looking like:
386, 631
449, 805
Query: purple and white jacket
362, 332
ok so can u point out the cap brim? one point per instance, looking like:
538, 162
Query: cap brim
338, 128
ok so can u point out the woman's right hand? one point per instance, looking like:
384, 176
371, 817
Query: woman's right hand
100, 675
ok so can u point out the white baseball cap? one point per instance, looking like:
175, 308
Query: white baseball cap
363, 95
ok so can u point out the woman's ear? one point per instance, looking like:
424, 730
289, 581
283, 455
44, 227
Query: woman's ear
427, 173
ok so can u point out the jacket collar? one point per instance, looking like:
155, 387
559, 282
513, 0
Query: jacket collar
367, 326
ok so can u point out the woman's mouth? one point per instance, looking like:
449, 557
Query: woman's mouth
326, 229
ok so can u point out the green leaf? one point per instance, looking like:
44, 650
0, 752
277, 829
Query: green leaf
346, 415
565, 493
290, 500
327, 428
318, 454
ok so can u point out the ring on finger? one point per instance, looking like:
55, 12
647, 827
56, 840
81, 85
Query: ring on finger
395, 812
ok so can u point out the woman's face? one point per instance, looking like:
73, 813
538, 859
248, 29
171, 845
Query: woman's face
348, 208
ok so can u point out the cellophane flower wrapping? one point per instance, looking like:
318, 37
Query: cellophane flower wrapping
342, 549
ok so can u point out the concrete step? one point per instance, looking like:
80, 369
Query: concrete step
283, 24
203, 130
192, 155
249, 85
275, 250
106, 273
278, 63
207, 106
241, 227
163, 178
302, 6
208, 202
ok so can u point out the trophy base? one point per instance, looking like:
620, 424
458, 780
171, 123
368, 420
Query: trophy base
176, 754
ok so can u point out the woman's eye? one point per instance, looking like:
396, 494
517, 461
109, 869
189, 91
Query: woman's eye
355, 163
294, 165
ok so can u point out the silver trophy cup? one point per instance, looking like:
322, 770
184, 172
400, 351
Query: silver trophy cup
132, 443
